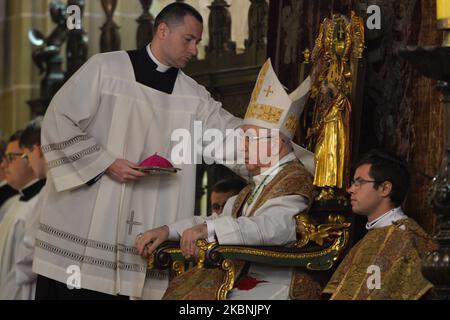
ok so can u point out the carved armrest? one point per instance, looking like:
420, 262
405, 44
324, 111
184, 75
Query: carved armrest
318, 248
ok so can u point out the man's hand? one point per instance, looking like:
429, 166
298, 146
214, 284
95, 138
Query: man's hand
189, 239
121, 171
147, 242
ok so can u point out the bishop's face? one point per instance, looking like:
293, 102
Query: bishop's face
179, 42
261, 148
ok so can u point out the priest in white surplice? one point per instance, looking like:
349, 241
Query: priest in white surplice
21, 177
117, 110
6, 191
263, 212
30, 143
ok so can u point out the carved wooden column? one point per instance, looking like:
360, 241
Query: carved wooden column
258, 19
145, 22
220, 29
77, 43
110, 37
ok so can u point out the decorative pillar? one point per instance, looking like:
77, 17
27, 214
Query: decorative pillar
77, 43
258, 19
220, 29
110, 37
145, 22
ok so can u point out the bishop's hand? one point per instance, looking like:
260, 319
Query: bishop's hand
148, 241
189, 239
121, 171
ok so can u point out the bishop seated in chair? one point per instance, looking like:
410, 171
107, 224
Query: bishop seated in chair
263, 212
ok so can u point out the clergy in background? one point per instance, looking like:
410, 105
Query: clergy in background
21, 177
224, 189
6, 191
386, 263
262, 214
117, 110
30, 143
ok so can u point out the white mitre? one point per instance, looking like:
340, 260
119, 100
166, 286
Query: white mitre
272, 108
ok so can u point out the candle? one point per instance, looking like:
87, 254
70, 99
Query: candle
443, 9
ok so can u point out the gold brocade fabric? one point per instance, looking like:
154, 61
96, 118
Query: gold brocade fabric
292, 179
199, 283
307, 285
398, 254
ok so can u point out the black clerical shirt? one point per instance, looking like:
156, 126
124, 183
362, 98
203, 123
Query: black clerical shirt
30, 191
6, 192
146, 73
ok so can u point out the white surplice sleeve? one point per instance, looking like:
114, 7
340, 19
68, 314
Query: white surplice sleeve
177, 228
216, 119
73, 156
273, 223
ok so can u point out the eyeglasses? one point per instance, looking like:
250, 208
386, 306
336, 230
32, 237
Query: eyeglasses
358, 182
10, 157
253, 138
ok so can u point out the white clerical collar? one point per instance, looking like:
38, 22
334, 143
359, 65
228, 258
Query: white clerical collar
272, 171
3, 183
386, 219
159, 66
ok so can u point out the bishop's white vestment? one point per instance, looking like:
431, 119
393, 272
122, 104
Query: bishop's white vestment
271, 224
13, 284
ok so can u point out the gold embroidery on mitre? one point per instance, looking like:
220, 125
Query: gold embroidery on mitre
259, 83
264, 112
291, 124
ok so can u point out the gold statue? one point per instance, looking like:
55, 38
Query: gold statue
339, 43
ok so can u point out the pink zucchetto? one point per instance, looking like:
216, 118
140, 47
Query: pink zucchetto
156, 161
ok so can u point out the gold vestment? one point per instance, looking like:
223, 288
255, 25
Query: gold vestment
397, 253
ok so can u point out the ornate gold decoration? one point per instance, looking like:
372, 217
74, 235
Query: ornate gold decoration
228, 282
358, 30
173, 250
258, 111
259, 84
203, 247
307, 56
291, 124
304, 229
178, 268
264, 112
320, 234
339, 44
151, 261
